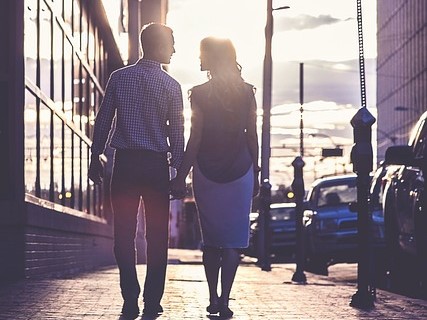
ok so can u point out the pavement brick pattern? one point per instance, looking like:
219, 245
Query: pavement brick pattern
256, 295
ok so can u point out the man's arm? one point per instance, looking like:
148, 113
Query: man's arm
176, 128
102, 127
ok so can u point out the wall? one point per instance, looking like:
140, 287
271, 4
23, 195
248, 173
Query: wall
58, 243
401, 69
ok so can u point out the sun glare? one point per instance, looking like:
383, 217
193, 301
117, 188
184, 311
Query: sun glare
322, 34
236, 20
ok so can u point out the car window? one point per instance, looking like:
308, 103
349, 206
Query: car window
416, 132
420, 141
336, 195
376, 188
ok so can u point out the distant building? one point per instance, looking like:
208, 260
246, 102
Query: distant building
401, 69
55, 60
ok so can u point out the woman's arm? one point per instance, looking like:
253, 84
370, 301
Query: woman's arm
177, 185
252, 138
252, 135
193, 144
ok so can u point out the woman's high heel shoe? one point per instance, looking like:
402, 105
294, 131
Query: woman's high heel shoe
213, 308
225, 311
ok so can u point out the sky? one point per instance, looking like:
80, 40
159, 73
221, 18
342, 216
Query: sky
320, 34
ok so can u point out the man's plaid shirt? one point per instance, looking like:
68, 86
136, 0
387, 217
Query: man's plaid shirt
147, 104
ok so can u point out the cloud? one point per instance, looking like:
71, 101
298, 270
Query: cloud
304, 21
323, 80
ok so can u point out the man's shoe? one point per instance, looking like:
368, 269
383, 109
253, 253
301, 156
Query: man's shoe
152, 310
130, 309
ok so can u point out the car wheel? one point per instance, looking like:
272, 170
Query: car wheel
380, 267
420, 222
400, 276
392, 249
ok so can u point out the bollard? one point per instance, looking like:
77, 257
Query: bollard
362, 158
298, 189
264, 228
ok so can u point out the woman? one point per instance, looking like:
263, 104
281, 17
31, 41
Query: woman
223, 151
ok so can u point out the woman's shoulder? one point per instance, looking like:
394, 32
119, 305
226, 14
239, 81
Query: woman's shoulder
198, 90
250, 87
200, 87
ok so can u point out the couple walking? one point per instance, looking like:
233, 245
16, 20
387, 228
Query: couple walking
222, 150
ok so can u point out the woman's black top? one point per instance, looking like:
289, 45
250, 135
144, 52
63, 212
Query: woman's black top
223, 153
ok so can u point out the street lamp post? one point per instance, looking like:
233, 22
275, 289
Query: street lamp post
298, 188
362, 158
265, 188
301, 109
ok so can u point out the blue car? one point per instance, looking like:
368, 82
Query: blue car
282, 231
330, 226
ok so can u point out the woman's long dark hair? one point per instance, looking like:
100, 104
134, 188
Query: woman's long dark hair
224, 71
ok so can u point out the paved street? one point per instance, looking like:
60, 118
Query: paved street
256, 295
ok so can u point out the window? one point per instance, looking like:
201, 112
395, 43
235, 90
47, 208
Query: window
420, 141
337, 194
65, 61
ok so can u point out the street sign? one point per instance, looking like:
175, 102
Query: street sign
335, 152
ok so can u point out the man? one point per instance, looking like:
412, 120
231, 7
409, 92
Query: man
147, 105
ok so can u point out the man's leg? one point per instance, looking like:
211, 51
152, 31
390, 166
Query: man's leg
156, 204
125, 201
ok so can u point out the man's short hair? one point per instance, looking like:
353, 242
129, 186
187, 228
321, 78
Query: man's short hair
154, 34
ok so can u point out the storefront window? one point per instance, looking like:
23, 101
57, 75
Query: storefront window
45, 50
45, 154
77, 172
30, 43
58, 54
58, 165
30, 117
65, 61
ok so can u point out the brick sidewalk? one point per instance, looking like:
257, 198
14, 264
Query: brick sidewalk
256, 295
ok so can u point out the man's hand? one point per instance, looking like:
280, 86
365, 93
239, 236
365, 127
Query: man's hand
96, 170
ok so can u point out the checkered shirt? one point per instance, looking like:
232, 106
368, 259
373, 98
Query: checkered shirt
147, 105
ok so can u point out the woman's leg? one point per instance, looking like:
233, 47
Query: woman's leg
230, 262
212, 263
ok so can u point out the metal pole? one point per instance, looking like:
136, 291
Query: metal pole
301, 101
265, 188
362, 159
134, 28
298, 189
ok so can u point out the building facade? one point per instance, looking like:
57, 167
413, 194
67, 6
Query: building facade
56, 59
401, 69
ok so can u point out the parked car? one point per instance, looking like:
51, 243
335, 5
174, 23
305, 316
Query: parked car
330, 225
282, 230
405, 209
376, 195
